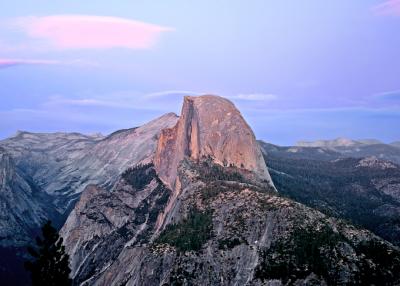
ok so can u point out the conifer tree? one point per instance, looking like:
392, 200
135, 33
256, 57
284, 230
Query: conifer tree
49, 263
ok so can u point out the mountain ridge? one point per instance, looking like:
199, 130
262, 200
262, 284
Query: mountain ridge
343, 142
338, 142
59, 165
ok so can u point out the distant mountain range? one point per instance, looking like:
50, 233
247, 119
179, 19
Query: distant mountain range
195, 199
338, 142
364, 190
354, 148
396, 144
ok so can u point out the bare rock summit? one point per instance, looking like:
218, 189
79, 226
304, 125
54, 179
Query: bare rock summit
209, 127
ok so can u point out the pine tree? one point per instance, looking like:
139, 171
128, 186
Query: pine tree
49, 266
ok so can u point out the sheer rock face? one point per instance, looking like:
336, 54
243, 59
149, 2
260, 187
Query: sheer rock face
104, 222
21, 208
209, 126
95, 216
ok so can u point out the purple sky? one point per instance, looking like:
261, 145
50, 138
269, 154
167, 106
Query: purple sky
296, 69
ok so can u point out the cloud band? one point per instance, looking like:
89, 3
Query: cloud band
91, 32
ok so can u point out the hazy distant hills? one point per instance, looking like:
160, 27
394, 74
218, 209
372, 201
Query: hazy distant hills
338, 142
356, 148
342, 142
396, 144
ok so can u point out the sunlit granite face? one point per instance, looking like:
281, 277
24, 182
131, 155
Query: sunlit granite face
209, 127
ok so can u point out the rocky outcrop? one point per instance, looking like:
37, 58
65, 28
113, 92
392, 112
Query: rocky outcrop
374, 163
209, 127
105, 222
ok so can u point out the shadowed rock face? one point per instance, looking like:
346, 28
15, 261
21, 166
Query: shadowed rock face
104, 222
209, 127
21, 208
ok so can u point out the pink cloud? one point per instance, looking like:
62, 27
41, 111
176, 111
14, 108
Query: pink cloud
92, 32
5, 63
391, 7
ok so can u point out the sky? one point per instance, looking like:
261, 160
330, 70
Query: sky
297, 70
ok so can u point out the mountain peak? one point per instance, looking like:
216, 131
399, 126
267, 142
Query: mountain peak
209, 127
338, 142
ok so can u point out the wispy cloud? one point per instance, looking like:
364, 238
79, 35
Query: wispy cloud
86, 112
255, 97
91, 32
164, 101
393, 95
118, 102
391, 7
169, 93
6, 63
